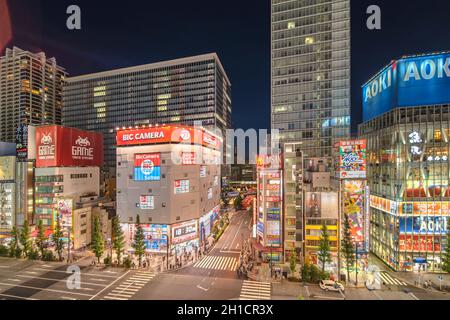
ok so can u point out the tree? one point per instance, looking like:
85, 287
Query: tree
98, 243
25, 239
446, 258
238, 202
14, 249
324, 254
117, 238
58, 239
293, 260
41, 239
347, 248
139, 241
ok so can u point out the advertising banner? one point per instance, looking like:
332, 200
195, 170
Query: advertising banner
182, 232
419, 243
202, 171
353, 192
269, 162
167, 134
147, 167
408, 82
7, 205
207, 222
7, 168
68, 147
181, 186
322, 205
352, 159
147, 202
188, 158
155, 236
423, 225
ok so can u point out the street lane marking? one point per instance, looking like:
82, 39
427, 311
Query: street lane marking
387, 278
110, 284
131, 286
253, 290
68, 298
59, 280
88, 274
16, 280
18, 297
46, 289
114, 298
217, 263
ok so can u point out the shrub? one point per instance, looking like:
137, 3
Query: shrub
108, 260
127, 262
48, 256
3, 251
33, 254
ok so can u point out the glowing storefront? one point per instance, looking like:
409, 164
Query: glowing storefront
407, 113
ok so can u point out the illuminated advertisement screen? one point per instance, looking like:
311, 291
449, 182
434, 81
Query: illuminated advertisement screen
418, 243
7, 199
412, 81
155, 236
321, 205
352, 159
210, 193
147, 167
423, 225
273, 228
202, 171
181, 186
147, 202
273, 214
207, 222
182, 232
354, 191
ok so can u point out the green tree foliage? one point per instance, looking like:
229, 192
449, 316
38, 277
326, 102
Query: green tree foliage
324, 252
41, 239
347, 247
98, 243
118, 239
58, 239
139, 241
293, 261
14, 246
25, 239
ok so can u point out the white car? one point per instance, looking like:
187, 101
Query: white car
330, 285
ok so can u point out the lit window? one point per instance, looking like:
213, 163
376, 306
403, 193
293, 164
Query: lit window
291, 25
309, 40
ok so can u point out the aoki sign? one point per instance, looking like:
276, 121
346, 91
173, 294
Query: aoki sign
408, 82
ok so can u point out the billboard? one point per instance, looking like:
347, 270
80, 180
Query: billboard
7, 205
147, 167
182, 232
7, 149
181, 186
155, 236
147, 202
352, 159
427, 225
7, 168
322, 205
418, 243
410, 81
269, 162
188, 158
167, 134
207, 222
58, 146
354, 201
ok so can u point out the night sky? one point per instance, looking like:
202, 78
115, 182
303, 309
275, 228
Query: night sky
144, 31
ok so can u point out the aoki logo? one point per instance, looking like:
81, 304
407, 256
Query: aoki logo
377, 86
428, 69
350, 159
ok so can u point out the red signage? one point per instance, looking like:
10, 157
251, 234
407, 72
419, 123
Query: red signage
188, 158
419, 243
168, 134
58, 146
153, 158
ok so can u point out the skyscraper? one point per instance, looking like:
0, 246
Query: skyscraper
30, 91
311, 73
180, 91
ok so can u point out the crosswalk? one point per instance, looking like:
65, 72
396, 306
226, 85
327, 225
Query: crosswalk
217, 263
390, 280
129, 287
254, 290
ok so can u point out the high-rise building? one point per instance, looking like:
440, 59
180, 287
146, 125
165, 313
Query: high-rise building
30, 91
181, 91
310, 73
406, 109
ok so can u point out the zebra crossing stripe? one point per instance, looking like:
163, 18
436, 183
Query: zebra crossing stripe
252, 290
391, 280
114, 298
217, 263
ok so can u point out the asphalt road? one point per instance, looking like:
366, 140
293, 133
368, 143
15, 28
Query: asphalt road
213, 277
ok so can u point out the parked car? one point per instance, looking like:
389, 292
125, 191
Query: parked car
330, 285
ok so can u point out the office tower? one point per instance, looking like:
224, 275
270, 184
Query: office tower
310, 73
30, 91
181, 91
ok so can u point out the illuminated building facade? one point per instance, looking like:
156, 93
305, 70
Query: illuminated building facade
406, 107
180, 91
169, 176
31, 88
310, 78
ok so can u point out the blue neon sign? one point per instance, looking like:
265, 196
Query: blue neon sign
408, 82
